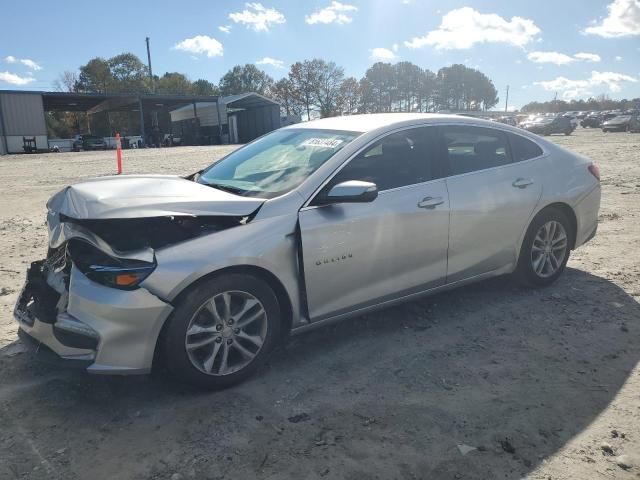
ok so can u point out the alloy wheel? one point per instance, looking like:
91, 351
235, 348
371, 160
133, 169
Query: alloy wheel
226, 333
549, 249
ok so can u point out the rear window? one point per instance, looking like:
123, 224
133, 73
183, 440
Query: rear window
474, 148
522, 148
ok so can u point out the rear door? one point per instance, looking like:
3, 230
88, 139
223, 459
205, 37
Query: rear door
491, 198
359, 254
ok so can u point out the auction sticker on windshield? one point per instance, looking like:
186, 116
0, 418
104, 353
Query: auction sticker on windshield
321, 142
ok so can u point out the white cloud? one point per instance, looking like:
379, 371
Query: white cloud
580, 88
201, 44
382, 54
335, 13
464, 27
30, 64
258, 17
587, 57
271, 62
558, 58
395, 47
225, 28
14, 79
618, 58
27, 62
623, 20
550, 57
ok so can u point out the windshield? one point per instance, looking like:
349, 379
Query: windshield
276, 163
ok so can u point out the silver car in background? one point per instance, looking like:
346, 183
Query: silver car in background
307, 225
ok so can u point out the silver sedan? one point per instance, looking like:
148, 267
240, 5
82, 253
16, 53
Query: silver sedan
306, 225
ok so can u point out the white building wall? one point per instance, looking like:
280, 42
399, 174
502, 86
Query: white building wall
22, 116
15, 143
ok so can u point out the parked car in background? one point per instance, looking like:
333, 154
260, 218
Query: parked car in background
171, 140
525, 122
507, 120
573, 119
634, 123
88, 142
306, 225
549, 125
593, 120
619, 123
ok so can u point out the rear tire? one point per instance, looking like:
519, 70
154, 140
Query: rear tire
545, 249
222, 331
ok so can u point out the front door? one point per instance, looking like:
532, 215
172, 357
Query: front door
360, 254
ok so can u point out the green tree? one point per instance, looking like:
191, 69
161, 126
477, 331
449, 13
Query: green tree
173, 83
282, 92
462, 88
204, 87
129, 73
245, 78
305, 77
380, 87
327, 89
95, 77
349, 98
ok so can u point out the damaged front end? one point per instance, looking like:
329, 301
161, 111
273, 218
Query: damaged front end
85, 300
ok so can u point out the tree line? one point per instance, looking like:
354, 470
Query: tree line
602, 102
311, 88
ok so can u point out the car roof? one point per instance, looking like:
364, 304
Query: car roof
373, 121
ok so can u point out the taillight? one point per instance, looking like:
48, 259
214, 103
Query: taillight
595, 170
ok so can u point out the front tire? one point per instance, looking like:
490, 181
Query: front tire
222, 331
545, 249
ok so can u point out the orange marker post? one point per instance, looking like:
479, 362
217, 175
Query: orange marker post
119, 153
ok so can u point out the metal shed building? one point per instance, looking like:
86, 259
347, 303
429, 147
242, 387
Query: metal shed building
239, 118
21, 115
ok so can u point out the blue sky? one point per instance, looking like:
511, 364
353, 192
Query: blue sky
575, 47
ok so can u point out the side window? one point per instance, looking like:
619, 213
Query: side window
474, 148
523, 149
399, 159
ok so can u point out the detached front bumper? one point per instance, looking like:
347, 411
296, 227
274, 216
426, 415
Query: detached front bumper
115, 329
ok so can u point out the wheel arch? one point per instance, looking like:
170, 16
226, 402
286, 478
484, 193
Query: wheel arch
566, 209
278, 288
262, 273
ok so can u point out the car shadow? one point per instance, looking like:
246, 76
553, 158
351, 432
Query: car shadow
514, 373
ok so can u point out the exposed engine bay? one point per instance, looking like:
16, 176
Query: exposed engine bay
130, 234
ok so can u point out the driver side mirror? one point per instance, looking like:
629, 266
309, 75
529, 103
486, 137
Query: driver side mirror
351, 191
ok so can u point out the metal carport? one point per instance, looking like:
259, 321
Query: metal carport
22, 113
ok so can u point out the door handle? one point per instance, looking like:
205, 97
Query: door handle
430, 202
522, 182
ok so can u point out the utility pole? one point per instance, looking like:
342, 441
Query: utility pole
506, 102
149, 64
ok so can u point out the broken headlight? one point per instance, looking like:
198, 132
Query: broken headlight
122, 273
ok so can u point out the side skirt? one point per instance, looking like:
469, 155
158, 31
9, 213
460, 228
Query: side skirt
401, 299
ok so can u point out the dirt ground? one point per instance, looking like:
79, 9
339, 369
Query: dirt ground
543, 384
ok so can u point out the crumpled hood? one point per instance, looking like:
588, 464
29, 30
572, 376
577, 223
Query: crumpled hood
139, 196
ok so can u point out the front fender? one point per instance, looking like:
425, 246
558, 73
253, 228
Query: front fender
269, 243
